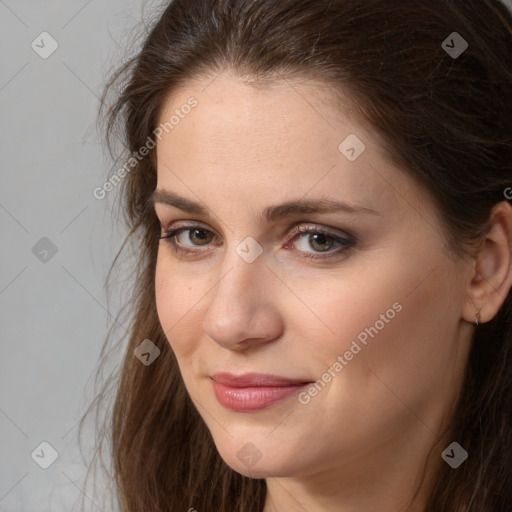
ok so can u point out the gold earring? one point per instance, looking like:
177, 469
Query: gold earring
477, 320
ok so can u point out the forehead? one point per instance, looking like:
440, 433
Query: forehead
246, 121
263, 137
297, 108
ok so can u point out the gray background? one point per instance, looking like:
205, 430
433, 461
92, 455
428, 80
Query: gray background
54, 314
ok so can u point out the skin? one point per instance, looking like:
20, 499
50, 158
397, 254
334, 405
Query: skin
360, 443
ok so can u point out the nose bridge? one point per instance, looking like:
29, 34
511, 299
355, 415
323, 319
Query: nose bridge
242, 269
237, 284
237, 292
240, 306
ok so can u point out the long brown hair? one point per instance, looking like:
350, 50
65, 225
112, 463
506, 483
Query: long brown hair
445, 120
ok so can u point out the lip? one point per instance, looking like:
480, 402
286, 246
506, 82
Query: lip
253, 391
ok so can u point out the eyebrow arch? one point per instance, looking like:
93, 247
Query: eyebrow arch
271, 213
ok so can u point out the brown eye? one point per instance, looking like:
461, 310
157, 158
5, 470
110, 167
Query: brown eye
200, 236
320, 241
186, 239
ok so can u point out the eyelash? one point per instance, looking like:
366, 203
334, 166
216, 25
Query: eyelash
296, 232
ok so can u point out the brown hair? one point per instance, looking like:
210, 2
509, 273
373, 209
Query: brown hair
446, 121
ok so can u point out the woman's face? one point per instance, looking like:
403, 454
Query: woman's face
312, 308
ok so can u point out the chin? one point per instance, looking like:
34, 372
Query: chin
252, 463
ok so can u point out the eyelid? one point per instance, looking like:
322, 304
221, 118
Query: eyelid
306, 227
297, 228
183, 224
345, 239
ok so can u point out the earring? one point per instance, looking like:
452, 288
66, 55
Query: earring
477, 320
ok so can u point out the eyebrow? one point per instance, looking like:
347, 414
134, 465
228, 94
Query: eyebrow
271, 213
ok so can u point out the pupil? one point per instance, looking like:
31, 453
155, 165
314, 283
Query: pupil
202, 234
319, 238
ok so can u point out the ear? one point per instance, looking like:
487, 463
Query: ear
490, 278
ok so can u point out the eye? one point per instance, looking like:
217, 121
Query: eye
324, 242
197, 236
187, 236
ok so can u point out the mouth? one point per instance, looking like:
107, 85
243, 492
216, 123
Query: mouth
254, 391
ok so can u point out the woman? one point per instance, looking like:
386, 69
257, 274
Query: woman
322, 316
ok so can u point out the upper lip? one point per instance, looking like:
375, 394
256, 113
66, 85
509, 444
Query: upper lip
256, 380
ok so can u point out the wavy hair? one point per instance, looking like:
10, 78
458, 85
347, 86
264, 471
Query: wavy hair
446, 121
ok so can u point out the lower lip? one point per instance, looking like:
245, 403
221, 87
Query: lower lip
253, 398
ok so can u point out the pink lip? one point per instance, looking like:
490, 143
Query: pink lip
253, 391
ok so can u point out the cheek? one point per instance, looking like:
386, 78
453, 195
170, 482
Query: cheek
403, 323
402, 365
345, 309
178, 303
407, 333
420, 352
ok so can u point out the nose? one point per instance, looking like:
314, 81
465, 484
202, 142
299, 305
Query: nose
243, 312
